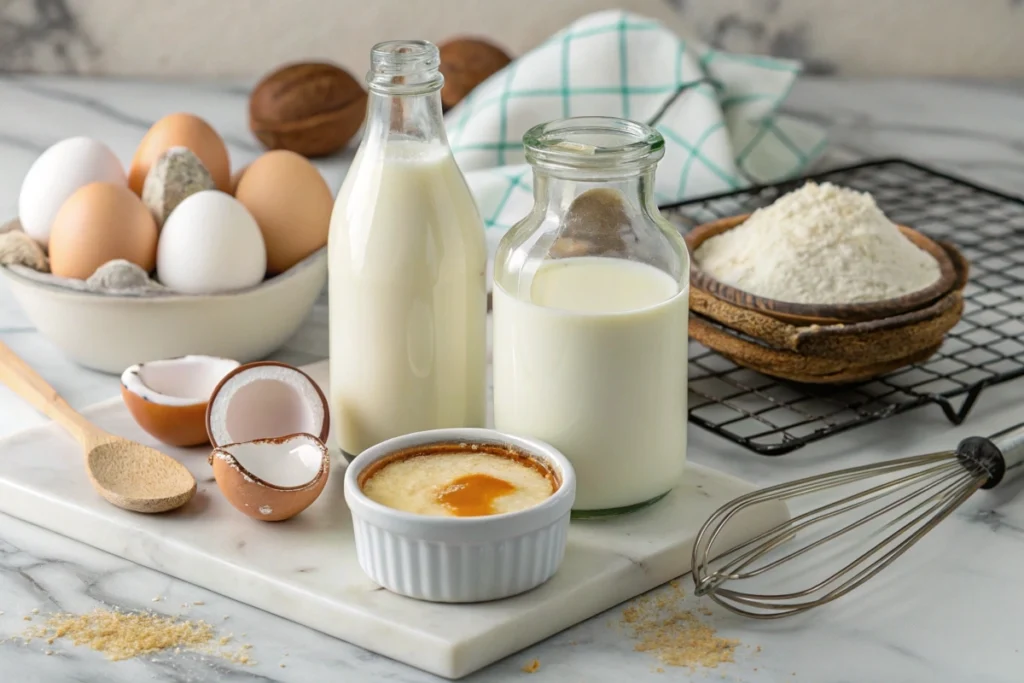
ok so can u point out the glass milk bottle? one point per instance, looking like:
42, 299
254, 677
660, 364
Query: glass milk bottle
590, 315
407, 262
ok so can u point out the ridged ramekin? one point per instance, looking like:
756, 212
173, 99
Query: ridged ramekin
461, 559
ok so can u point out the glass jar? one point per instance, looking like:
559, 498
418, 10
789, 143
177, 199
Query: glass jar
591, 298
407, 264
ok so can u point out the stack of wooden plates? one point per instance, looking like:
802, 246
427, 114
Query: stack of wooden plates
825, 344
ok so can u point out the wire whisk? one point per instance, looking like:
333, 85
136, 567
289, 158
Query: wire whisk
900, 500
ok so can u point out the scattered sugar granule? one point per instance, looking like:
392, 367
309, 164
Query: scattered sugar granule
820, 244
124, 635
676, 636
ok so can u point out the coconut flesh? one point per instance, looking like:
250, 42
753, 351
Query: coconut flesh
181, 381
266, 401
285, 463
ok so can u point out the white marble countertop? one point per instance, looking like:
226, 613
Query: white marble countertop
945, 612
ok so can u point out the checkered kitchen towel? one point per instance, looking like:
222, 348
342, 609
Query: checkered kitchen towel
717, 111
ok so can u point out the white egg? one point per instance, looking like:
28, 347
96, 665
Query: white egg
210, 243
56, 174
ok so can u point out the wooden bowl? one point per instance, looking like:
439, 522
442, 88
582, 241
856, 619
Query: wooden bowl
873, 341
822, 314
827, 354
794, 366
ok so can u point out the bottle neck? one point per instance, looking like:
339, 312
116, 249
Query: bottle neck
405, 116
553, 194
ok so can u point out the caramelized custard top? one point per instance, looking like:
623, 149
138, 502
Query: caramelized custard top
459, 480
473, 495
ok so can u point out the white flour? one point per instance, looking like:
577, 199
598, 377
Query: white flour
820, 244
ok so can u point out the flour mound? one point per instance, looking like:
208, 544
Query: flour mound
820, 244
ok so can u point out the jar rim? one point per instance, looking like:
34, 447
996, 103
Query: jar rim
592, 143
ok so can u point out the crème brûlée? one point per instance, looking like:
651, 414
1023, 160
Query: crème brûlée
459, 480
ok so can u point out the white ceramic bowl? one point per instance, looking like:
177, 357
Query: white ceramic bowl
110, 332
461, 559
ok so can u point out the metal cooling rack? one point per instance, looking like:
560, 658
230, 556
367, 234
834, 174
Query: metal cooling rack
773, 417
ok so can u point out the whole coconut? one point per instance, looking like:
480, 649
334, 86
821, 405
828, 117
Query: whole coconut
465, 64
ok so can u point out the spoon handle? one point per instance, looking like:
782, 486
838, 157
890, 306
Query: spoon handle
26, 382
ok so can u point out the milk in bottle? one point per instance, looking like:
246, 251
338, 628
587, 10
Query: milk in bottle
407, 262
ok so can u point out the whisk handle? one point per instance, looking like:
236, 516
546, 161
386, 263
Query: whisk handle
1001, 455
1010, 443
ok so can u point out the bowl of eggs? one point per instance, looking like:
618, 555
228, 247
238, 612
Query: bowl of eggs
174, 256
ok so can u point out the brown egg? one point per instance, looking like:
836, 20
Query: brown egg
292, 204
101, 222
168, 398
272, 479
181, 130
236, 177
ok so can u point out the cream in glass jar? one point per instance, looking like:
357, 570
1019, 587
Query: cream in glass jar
407, 263
590, 314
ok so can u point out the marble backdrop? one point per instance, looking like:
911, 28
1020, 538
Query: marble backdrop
245, 38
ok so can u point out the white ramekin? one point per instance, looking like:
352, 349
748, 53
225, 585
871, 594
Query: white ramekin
460, 559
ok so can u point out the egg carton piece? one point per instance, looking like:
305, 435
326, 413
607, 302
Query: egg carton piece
113, 277
118, 276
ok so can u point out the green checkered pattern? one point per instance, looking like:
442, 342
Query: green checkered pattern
717, 111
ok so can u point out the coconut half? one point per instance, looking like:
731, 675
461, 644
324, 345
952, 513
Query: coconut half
168, 398
272, 479
266, 400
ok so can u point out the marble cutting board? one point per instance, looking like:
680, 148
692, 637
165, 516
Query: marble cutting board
305, 569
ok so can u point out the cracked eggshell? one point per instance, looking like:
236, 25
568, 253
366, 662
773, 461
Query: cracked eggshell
168, 398
266, 400
272, 479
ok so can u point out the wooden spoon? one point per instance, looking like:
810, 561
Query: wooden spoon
126, 473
